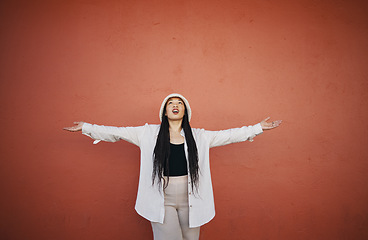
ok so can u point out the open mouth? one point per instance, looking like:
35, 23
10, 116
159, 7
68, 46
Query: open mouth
175, 111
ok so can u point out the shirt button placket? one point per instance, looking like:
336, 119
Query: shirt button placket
189, 194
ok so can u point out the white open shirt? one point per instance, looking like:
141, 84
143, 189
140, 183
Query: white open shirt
150, 200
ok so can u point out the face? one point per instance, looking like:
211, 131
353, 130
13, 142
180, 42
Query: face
175, 109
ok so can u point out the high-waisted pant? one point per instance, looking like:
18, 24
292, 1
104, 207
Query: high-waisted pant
176, 220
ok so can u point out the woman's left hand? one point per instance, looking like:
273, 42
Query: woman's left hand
270, 125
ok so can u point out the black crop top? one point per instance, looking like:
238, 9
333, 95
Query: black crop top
177, 161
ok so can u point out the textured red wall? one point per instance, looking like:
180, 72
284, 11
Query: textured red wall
112, 63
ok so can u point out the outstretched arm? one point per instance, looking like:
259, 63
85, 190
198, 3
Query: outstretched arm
108, 133
270, 125
224, 137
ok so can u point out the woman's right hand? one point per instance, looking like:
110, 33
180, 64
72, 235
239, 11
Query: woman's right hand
78, 127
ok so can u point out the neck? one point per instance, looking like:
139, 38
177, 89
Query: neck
175, 126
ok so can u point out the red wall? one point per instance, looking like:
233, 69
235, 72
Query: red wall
112, 63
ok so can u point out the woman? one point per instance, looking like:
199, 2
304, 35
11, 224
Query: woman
175, 189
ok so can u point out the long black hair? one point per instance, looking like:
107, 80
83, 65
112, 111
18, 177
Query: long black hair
162, 152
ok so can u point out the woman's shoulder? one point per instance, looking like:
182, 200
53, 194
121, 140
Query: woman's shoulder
152, 128
150, 125
198, 131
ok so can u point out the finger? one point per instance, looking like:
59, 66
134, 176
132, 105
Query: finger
265, 120
278, 122
72, 129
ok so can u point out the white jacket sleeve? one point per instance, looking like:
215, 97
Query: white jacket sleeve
233, 135
112, 134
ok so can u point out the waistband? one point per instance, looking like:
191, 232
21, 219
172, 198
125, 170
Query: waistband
178, 179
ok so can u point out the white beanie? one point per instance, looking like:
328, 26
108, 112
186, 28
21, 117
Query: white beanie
189, 111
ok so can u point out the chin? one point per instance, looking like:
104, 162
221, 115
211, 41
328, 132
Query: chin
176, 118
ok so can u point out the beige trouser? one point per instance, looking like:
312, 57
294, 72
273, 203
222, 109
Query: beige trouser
176, 221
